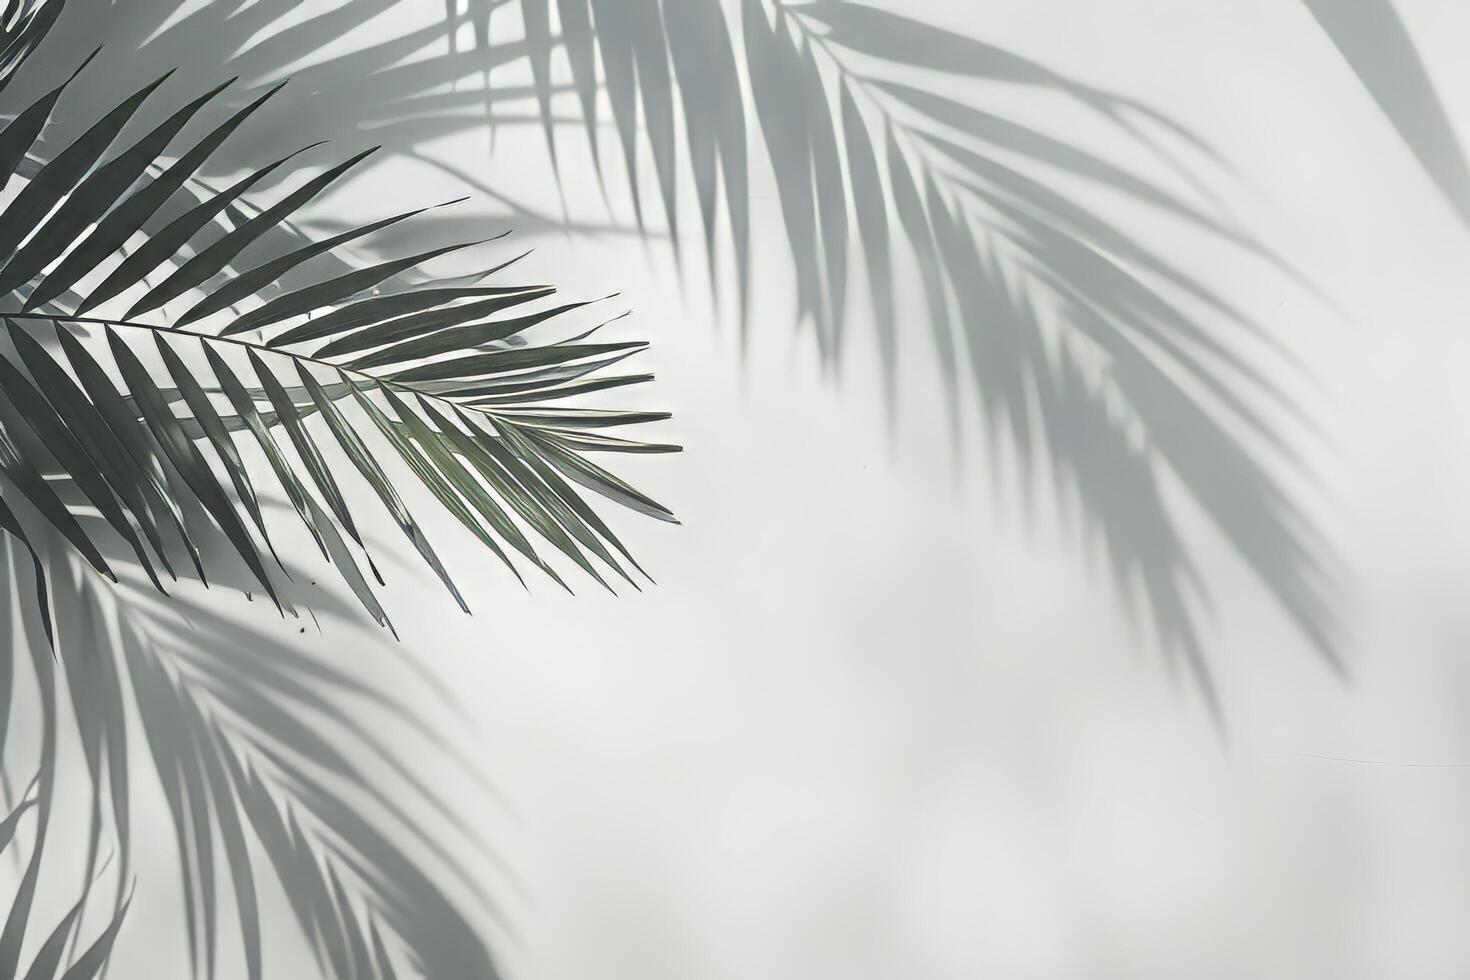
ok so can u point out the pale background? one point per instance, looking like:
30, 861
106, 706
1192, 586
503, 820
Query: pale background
872, 724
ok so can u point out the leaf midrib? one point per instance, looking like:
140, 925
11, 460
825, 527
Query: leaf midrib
258, 348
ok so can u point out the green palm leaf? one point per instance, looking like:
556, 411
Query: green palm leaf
395, 364
1028, 287
148, 346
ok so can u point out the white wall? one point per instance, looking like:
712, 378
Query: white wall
870, 724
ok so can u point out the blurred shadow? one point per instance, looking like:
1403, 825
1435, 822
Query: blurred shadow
387, 92
260, 743
1088, 347
1108, 373
1372, 38
257, 744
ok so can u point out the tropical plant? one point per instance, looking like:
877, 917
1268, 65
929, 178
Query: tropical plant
1101, 367
153, 421
1107, 376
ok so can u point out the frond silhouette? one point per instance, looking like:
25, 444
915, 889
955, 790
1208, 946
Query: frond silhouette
1109, 377
160, 332
1097, 360
260, 747
442, 375
150, 341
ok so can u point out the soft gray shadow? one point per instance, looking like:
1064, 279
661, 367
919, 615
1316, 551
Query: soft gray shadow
1372, 38
258, 744
389, 93
261, 744
1155, 378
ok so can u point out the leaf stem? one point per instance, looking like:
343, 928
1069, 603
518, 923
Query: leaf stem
258, 348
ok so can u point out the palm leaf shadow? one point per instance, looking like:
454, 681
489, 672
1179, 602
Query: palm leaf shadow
397, 94
1094, 355
37, 800
250, 748
1372, 39
1107, 373
262, 747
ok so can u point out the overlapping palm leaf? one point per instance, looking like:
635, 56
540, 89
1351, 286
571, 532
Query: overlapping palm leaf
441, 375
1097, 360
1124, 385
273, 761
177, 357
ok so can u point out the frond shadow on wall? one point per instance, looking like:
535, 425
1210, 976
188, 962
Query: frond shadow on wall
26, 811
131, 454
260, 746
1106, 372
1098, 360
1374, 41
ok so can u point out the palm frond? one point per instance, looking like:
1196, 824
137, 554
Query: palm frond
899, 152
1096, 359
424, 372
1081, 344
160, 331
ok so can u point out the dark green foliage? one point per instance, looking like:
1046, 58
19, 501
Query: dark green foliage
147, 352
